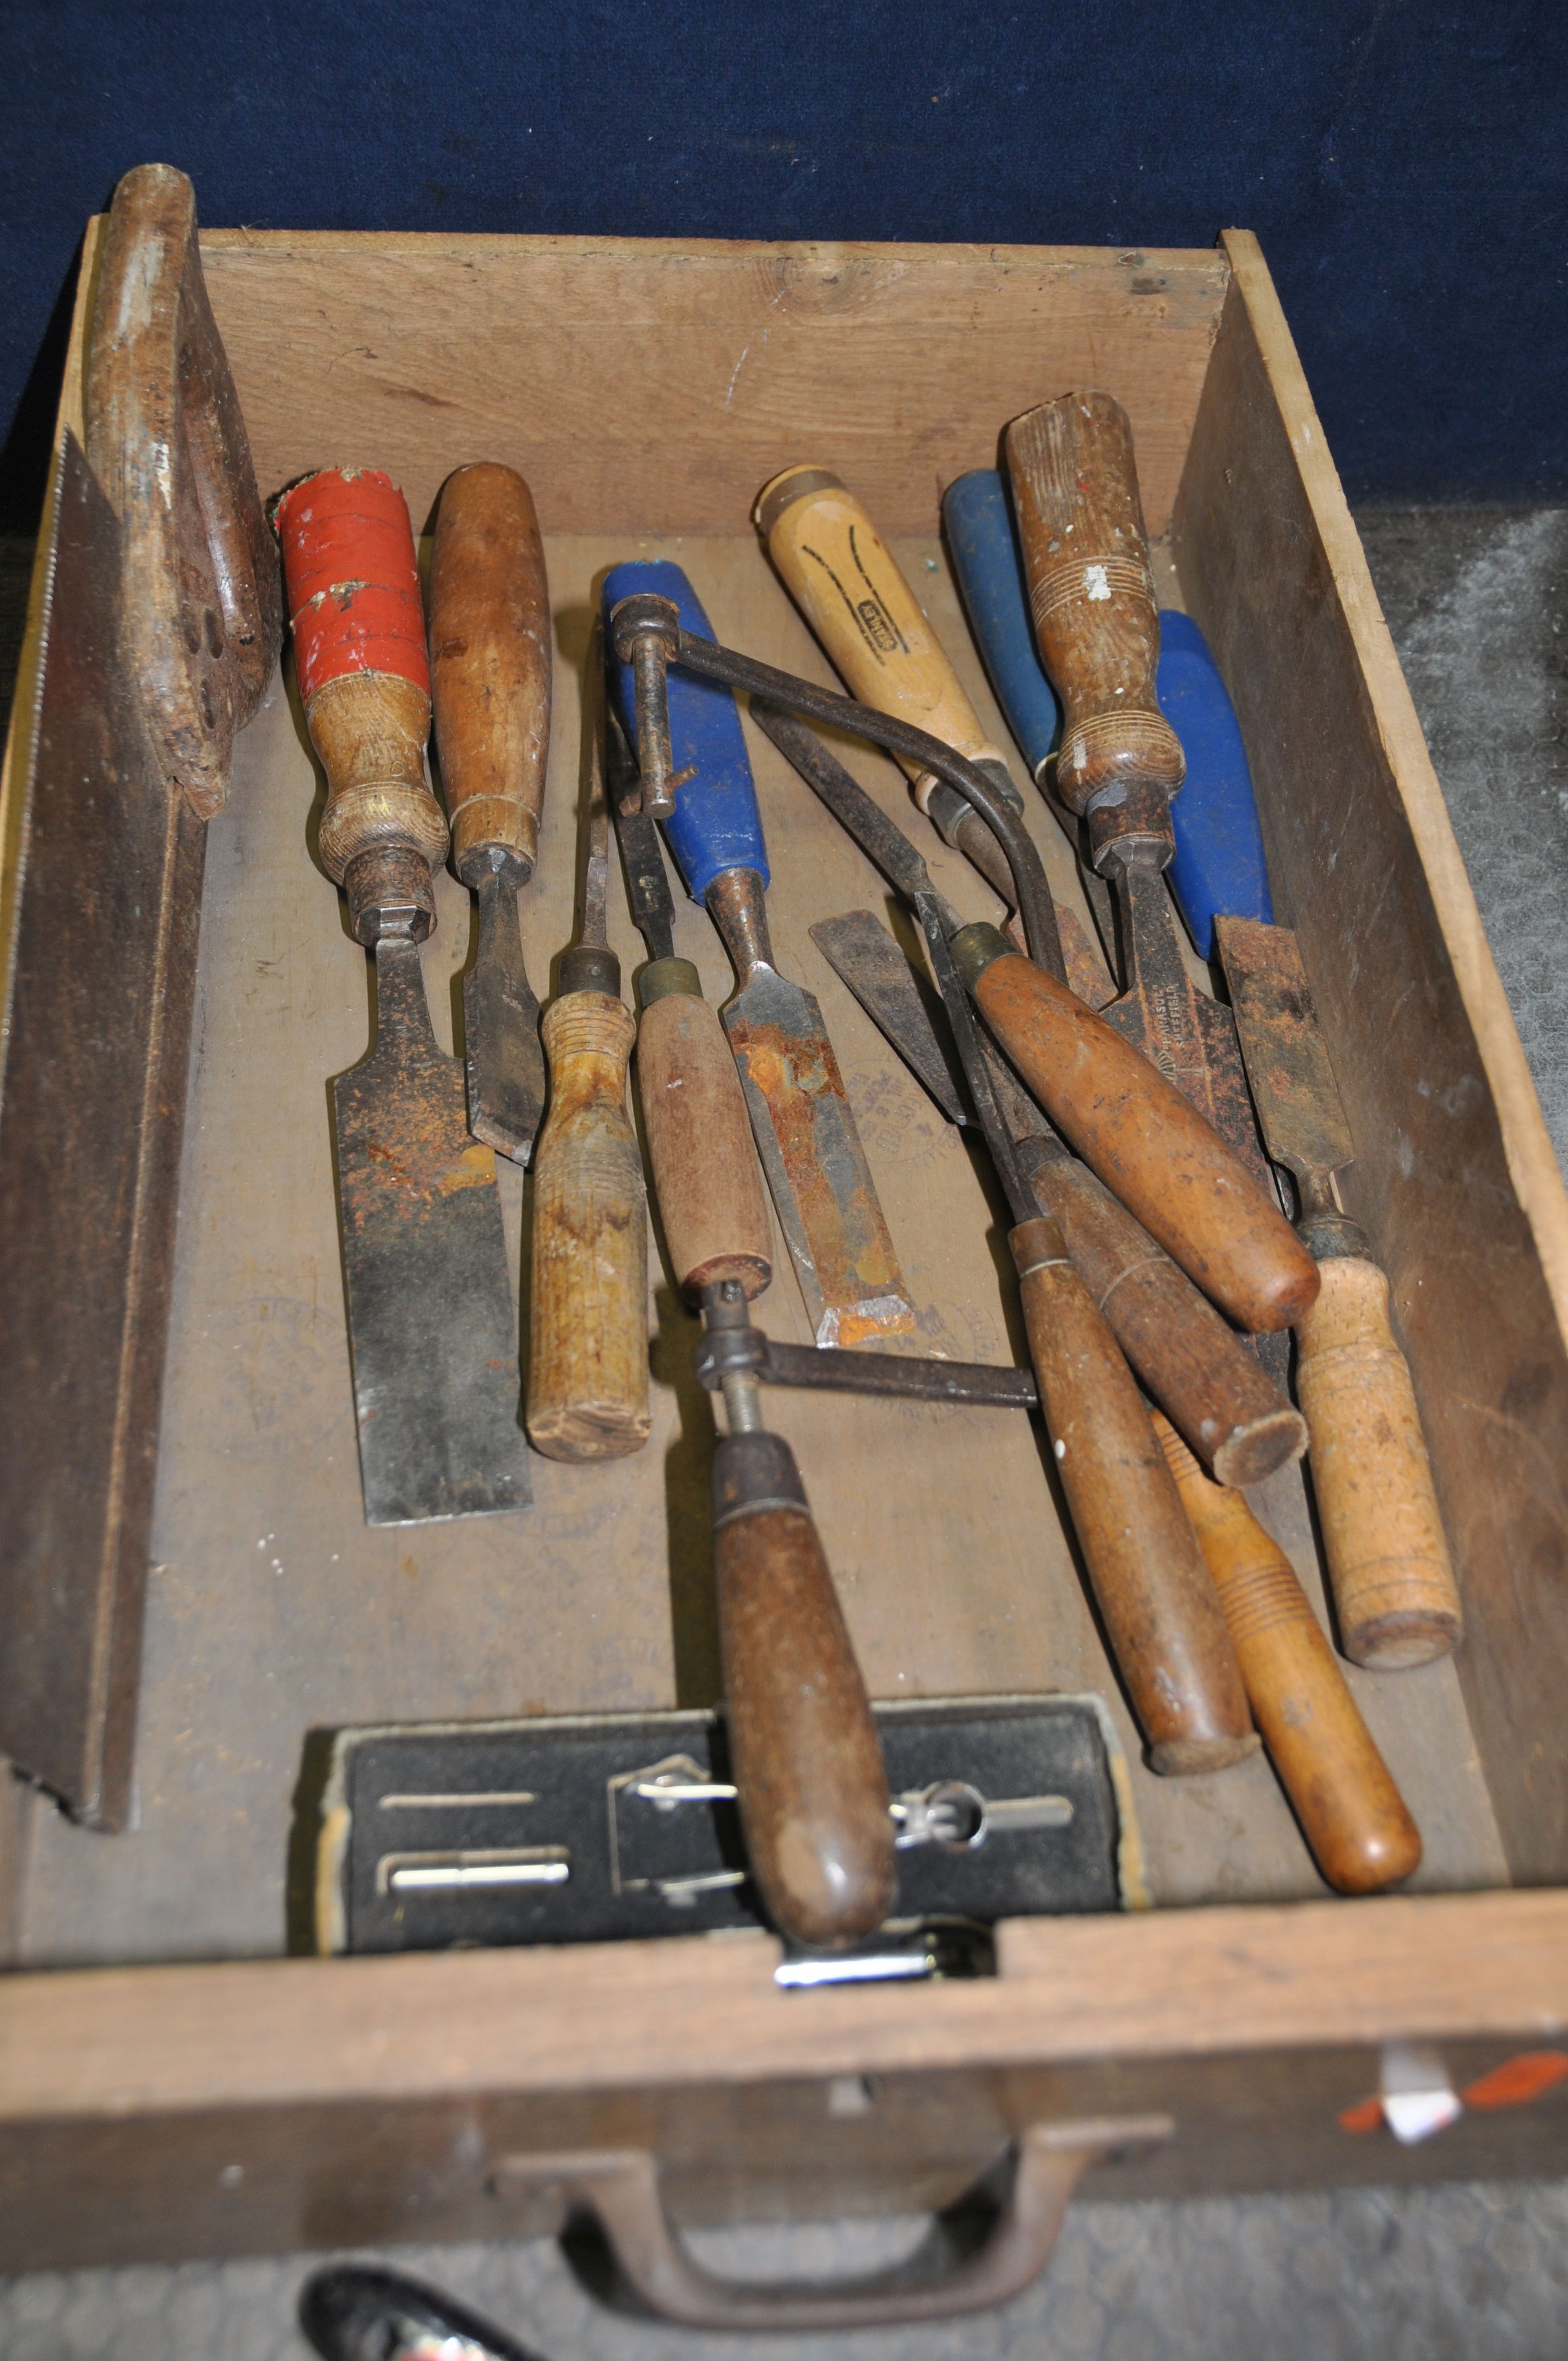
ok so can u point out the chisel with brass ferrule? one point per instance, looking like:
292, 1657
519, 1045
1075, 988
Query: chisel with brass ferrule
801, 1118
587, 1335
489, 673
431, 1327
1388, 1561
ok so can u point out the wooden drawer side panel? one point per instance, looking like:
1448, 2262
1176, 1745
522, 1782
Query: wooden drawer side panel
1455, 1181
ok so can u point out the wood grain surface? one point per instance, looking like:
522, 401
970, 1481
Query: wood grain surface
702, 1159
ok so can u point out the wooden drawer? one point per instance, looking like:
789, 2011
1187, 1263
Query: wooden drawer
169, 2083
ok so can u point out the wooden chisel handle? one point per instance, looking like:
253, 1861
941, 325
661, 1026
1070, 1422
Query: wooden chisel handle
1165, 1630
808, 1770
1351, 1813
1214, 1389
588, 1348
1148, 1144
489, 664
1392, 1578
352, 579
846, 582
706, 1178
1081, 521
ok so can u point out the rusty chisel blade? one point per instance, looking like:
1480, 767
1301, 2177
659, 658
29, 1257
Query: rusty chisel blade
430, 1319
1293, 1085
863, 955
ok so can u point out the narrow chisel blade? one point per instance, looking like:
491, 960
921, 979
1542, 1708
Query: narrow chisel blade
863, 955
815, 1164
503, 1055
431, 1325
1293, 1085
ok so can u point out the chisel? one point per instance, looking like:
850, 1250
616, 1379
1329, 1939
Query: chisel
431, 1327
1154, 1592
1388, 1561
1351, 1813
801, 1118
1075, 492
808, 1772
1149, 1142
1219, 863
1213, 1389
848, 585
490, 671
588, 1332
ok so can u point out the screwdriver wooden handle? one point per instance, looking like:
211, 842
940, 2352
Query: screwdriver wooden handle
352, 579
706, 1178
1392, 1578
846, 582
1351, 1813
1148, 1144
489, 665
1165, 1630
1075, 492
1214, 1389
808, 1770
588, 1348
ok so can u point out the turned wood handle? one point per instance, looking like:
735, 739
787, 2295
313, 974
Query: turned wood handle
588, 1336
1148, 1144
352, 579
1075, 492
202, 611
846, 582
706, 1178
808, 1769
1351, 1813
1214, 1389
1163, 1620
489, 668
1388, 1562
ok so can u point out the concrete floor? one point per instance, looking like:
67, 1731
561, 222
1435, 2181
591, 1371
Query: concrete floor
1478, 601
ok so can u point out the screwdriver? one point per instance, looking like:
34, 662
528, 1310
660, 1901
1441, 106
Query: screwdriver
588, 1368
489, 677
1158, 1603
808, 1770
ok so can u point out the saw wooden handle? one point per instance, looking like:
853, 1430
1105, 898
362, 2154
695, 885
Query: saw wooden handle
489, 668
706, 1178
1166, 1633
588, 1339
846, 582
1392, 1578
203, 608
1351, 1813
1148, 1144
1214, 1389
1075, 492
808, 1769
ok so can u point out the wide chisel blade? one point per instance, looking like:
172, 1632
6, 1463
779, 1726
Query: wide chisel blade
430, 1319
1293, 1084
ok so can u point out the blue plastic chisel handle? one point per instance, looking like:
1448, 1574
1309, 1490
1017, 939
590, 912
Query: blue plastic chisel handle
715, 824
991, 576
1219, 869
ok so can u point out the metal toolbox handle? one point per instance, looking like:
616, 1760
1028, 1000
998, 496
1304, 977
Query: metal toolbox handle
620, 2190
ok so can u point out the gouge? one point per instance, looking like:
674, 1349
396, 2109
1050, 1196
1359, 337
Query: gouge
800, 1113
489, 673
430, 1319
1075, 490
848, 585
1158, 1605
1147, 1142
587, 1335
808, 1770
1388, 1562
1173, 1339
1351, 1813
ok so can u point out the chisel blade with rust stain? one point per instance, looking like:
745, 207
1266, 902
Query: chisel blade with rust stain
431, 1326
806, 1137
430, 1322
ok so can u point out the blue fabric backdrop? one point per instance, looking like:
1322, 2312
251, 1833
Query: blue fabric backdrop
1404, 162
